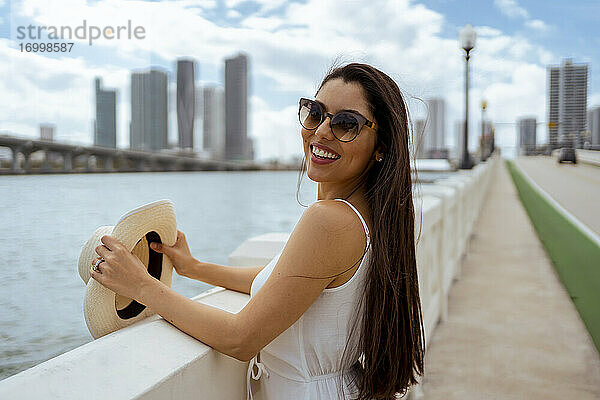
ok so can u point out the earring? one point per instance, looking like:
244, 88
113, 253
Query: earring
380, 159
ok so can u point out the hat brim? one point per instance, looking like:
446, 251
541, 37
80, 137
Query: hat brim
104, 310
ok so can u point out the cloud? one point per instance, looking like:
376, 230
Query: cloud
594, 100
487, 31
44, 89
276, 132
511, 9
206, 4
537, 24
233, 13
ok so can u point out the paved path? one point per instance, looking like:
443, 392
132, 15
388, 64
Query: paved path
576, 187
512, 331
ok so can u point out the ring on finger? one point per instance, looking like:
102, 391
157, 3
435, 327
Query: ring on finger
96, 264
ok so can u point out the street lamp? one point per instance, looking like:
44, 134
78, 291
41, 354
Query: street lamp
483, 141
467, 38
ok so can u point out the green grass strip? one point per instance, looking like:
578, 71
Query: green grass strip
575, 256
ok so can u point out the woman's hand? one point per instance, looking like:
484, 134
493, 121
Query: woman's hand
179, 253
121, 271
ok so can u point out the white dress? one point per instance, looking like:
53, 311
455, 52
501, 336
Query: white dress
301, 363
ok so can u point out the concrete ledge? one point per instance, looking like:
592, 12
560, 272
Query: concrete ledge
150, 359
258, 250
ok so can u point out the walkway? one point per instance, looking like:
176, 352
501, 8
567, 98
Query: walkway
512, 331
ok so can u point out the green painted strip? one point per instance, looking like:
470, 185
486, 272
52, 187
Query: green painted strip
575, 256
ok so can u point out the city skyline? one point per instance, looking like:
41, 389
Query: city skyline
193, 104
515, 43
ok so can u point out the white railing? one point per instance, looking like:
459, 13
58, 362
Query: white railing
154, 360
588, 156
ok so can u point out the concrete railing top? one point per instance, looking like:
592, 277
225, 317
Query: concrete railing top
121, 365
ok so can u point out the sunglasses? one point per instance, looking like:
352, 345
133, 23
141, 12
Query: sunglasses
345, 125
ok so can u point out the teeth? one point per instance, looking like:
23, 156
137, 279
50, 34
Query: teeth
322, 153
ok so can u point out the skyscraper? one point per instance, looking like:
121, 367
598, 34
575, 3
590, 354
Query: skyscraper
435, 129
236, 107
527, 135
553, 105
567, 103
186, 102
459, 129
149, 110
418, 138
47, 132
105, 125
213, 139
594, 125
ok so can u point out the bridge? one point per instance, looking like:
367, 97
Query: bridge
68, 158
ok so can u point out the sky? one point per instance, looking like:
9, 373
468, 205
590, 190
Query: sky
291, 45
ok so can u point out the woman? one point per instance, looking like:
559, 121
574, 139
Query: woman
338, 312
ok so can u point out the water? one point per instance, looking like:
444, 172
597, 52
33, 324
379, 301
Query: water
46, 219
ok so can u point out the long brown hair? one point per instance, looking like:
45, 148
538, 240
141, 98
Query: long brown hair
388, 355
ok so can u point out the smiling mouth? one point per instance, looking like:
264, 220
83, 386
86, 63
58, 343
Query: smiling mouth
322, 154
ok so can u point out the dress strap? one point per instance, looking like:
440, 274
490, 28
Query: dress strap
261, 368
359, 216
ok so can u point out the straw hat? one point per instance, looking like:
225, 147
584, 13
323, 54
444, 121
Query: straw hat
104, 310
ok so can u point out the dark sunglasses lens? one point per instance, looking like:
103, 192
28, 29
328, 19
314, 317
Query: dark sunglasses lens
344, 126
310, 114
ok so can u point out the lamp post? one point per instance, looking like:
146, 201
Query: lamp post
483, 146
467, 38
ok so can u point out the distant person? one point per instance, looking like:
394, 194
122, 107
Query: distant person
336, 314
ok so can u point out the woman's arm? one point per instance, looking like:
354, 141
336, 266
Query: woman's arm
327, 239
232, 278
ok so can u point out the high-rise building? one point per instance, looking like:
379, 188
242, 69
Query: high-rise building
149, 110
435, 129
419, 138
567, 103
594, 125
527, 135
213, 132
105, 125
236, 107
553, 105
199, 120
186, 102
250, 148
47, 132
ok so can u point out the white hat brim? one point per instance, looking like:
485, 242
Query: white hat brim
104, 310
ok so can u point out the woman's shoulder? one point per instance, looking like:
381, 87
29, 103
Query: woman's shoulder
333, 213
346, 214
335, 221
